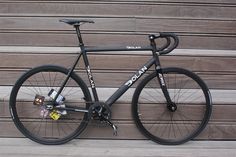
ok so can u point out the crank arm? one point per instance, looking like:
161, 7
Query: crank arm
113, 126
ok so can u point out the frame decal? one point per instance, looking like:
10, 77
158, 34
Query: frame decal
136, 76
90, 76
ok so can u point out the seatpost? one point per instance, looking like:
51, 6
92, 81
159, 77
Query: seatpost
81, 43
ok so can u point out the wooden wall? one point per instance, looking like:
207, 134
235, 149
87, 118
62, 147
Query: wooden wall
31, 35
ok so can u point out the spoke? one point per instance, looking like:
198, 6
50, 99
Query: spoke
181, 87
54, 79
45, 128
37, 85
45, 132
44, 80
60, 83
158, 120
30, 94
36, 91
181, 124
197, 98
155, 98
175, 88
157, 82
189, 120
153, 101
49, 73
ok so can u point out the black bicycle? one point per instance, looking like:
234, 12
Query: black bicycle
52, 105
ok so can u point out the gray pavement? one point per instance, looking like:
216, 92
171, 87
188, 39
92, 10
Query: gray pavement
22, 147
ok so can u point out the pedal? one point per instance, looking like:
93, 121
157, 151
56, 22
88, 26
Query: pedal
114, 127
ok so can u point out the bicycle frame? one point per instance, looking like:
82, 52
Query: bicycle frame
127, 84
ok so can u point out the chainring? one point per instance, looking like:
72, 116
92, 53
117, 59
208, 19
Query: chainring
98, 114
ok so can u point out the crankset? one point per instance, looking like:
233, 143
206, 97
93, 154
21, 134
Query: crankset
101, 113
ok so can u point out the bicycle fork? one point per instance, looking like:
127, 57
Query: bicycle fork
170, 104
160, 77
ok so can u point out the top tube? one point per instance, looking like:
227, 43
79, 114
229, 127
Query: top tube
127, 48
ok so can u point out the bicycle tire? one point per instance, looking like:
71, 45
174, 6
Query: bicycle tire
35, 121
157, 122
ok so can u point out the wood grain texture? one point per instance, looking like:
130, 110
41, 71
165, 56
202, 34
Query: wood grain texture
118, 114
201, 25
189, 41
133, 17
128, 130
112, 148
119, 9
103, 78
122, 62
122, 24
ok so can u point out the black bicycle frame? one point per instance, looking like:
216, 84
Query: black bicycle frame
153, 61
129, 82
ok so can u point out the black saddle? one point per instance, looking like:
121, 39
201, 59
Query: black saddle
75, 22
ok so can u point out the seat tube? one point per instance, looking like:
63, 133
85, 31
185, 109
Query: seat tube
86, 62
90, 75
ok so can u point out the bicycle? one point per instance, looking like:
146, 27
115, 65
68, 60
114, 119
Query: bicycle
51, 104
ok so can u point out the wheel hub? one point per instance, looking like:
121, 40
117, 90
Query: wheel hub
172, 107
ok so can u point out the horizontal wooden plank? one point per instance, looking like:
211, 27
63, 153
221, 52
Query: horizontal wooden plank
75, 50
199, 2
122, 9
131, 144
110, 148
119, 22
122, 62
118, 114
126, 130
190, 1
193, 26
122, 24
103, 78
218, 96
192, 41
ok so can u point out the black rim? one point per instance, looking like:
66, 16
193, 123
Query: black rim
29, 118
180, 125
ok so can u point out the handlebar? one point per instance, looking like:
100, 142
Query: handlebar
169, 45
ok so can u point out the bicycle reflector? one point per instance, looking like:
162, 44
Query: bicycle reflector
39, 100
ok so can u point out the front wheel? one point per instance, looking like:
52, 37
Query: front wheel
32, 94
171, 127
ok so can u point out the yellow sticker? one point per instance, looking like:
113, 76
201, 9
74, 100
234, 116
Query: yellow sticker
54, 115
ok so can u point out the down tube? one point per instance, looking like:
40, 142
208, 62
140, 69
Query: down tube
130, 82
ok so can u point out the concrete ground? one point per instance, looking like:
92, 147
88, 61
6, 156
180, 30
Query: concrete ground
22, 147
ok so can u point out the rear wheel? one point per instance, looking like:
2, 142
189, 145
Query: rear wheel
31, 95
157, 121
